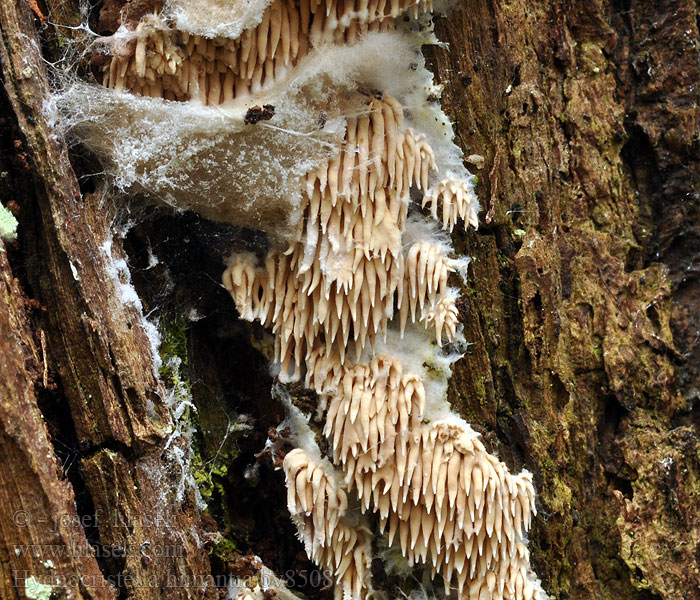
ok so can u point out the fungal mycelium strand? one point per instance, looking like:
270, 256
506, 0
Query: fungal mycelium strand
316, 122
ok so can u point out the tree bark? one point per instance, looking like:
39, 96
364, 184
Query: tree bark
583, 305
582, 313
100, 351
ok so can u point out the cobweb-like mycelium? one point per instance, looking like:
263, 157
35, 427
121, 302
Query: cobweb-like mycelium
358, 296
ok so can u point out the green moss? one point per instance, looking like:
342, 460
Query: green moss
223, 550
173, 370
210, 476
470, 289
173, 348
480, 389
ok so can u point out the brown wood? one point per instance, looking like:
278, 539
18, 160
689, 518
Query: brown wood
100, 350
42, 540
583, 305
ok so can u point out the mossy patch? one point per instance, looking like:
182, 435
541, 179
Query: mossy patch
211, 475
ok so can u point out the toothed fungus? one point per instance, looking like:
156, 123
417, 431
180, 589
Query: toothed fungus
342, 279
318, 505
356, 284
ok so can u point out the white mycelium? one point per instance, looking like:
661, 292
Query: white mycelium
316, 122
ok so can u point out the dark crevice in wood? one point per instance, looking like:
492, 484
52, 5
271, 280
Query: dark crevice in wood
56, 412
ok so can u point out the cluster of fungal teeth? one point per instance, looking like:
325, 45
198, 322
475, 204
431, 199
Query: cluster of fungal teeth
457, 203
453, 505
343, 279
318, 505
359, 265
347, 273
158, 61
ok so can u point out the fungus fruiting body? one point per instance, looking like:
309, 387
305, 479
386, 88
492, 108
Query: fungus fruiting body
315, 121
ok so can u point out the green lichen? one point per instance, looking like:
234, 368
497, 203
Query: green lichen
8, 225
35, 590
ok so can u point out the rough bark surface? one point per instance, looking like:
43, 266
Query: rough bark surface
99, 349
37, 505
581, 313
584, 299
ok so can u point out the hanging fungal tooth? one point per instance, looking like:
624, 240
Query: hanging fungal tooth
263, 34
214, 89
256, 78
200, 44
246, 44
293, 32
277, 16
363, 147
304, 16
253, 61
346, 550
377, 142
140, 53
458, 202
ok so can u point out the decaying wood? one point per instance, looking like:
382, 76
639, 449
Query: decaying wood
102, 353
43, 540
581, 312
584, 296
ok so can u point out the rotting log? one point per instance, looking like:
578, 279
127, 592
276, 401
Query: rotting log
584, 301
37, 505
581, 310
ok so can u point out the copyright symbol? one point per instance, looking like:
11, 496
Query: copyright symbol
21, 518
